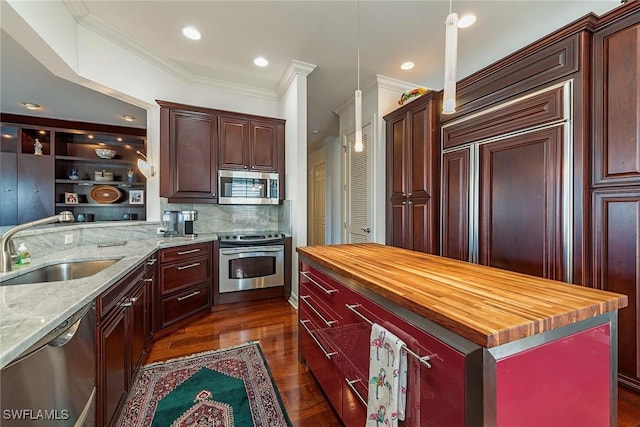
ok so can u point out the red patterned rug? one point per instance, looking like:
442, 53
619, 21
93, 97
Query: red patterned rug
231, 387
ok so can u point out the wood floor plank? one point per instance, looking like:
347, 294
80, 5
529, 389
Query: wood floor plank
274, 324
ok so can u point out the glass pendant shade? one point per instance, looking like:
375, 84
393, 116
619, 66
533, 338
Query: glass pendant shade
450, 59
357, 146
145, 168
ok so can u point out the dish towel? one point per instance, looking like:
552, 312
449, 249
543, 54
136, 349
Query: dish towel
387, 378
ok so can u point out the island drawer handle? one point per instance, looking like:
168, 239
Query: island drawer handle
422, 359
325, 290
148, 280
184, 267
188, 252
152, 261
192, 294
329, 323
350, 384
327, 354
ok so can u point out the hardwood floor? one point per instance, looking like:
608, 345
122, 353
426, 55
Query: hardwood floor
274, 323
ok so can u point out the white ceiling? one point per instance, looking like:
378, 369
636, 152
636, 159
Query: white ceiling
317, 32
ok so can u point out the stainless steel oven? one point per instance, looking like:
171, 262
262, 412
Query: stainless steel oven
251, 261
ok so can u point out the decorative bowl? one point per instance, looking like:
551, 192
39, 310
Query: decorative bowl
104, 194
105, 153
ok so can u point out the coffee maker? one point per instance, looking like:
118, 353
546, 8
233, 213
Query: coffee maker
171, 223
189, 217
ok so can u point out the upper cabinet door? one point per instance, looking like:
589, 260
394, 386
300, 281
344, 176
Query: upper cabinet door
263, 146
234, 140
188, 156
616, 127
455, 204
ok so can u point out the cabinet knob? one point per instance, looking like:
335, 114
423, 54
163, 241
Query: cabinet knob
35, 190
366, 230
213, 194
8, 190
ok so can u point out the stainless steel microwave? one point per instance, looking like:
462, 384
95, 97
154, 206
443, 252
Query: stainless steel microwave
247, 188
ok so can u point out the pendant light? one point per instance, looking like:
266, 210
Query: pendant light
450, 58
358, 146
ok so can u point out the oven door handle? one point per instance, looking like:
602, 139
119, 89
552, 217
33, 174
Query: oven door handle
250, 250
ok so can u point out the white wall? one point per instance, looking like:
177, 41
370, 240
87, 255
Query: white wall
379, 97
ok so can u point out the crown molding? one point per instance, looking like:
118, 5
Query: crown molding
294, 68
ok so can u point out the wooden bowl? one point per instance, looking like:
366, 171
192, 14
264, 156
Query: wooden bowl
105, 194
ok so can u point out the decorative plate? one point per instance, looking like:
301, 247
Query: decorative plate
105, 194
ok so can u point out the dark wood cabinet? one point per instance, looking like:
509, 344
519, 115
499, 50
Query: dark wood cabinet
455, 204
520, 204
250, 144
505, 194
412, 171
35, 187
184, 288
123, 335
188, 155
615, 191
196, 142
616, 105
616, 268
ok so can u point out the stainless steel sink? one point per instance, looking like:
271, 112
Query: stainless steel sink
60, 272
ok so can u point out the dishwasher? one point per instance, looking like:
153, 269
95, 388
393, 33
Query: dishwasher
53, 382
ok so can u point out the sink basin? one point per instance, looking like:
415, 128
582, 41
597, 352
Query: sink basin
62, 271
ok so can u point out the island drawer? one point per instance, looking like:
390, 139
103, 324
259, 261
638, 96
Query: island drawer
179, 253
322, 288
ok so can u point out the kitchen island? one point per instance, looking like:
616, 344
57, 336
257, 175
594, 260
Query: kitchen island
487, 346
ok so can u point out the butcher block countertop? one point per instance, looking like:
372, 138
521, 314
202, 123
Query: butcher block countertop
485, 305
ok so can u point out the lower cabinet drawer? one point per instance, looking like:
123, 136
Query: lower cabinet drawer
184, 274
325, 369
184, 304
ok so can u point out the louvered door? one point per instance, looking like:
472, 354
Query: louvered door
358, 189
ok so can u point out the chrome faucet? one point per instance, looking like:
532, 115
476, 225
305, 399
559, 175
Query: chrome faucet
6, 244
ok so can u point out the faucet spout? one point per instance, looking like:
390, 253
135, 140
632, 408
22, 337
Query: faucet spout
5, 251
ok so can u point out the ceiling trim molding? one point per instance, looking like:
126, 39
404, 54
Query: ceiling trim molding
385, 82
93, 24
294, 68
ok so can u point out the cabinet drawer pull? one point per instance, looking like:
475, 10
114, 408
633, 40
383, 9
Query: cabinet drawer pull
192, 294
152, 261
148, 280
192, 251
325, 290
326, 354
126, 304
350, 383
184, 267
329, 323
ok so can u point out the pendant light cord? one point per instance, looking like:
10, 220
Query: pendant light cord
358, 41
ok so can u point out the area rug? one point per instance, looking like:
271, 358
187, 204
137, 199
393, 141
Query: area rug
230, 387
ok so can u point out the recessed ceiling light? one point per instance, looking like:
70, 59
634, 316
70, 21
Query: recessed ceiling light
191, 33
261, 61
128, 118
466, 21
90, 136
30, 105
119, 139
407, 65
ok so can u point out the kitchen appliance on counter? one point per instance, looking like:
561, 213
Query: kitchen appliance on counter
53, 382
251, 260
188, 217
171, 223
247, 188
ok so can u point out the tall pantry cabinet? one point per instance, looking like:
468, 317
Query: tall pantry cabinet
615, 187
412, 174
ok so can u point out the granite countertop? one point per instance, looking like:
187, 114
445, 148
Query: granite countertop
485, 305
29, 312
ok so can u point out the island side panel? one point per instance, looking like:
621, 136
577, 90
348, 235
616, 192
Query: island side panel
565, 382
